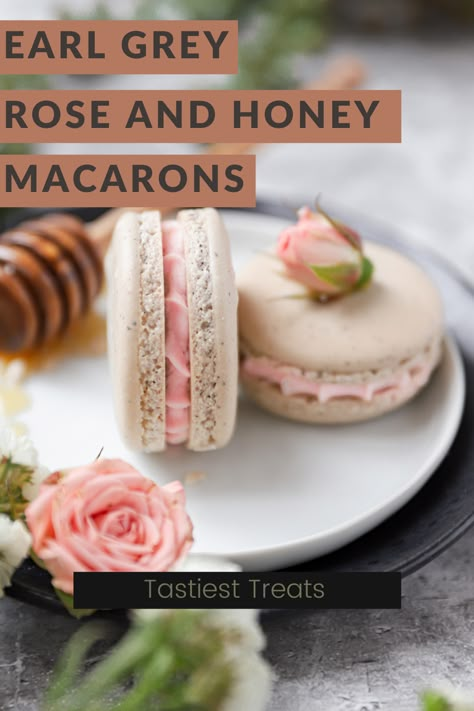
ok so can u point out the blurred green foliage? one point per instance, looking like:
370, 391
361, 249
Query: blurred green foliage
272, 32
17, 81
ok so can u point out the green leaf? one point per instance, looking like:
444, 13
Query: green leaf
337, 275
351, 236
68, 602
366, 275
434, 701
66, 599
13, 477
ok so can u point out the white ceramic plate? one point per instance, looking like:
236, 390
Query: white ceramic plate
281, 492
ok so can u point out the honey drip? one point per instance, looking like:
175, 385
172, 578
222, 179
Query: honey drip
86, 337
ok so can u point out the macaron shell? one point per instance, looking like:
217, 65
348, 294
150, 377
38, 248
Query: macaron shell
396, 317
136, 331
212, 305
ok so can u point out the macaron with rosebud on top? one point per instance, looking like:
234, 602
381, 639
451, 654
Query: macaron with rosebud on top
332, 330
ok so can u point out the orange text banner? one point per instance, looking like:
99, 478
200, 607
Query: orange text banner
127, 180
118, 47
291, 116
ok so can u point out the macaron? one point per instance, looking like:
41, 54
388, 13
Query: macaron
344, 360
172, 330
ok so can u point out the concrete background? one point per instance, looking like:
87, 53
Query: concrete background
364, 660
359, 660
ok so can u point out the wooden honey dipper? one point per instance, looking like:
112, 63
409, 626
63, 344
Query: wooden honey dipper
51, 268
51, 271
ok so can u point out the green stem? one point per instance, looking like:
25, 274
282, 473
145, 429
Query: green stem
70, 663
154, 676
126, 656
5, 470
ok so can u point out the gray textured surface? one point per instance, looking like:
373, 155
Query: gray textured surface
366, 660
325, 661
330, 661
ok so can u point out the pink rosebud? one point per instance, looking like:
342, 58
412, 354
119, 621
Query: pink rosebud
323, 254
106, 516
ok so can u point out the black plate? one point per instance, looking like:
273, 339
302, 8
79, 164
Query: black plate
440, 513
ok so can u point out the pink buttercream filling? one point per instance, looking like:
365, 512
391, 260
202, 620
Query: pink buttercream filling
178, 374
293, 381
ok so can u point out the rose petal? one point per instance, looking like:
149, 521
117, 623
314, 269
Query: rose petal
108, 517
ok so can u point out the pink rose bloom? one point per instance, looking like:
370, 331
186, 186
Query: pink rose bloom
107, 517
324, 255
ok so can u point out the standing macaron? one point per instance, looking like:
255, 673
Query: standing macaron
330, 333
172, 330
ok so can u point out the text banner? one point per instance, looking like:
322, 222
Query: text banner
118, 47
134, 180
291, 116
237, 590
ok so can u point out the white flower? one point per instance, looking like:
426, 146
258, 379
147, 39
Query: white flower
15, 542
252, 675
31, 489
20, 450
244, 623
252, 681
